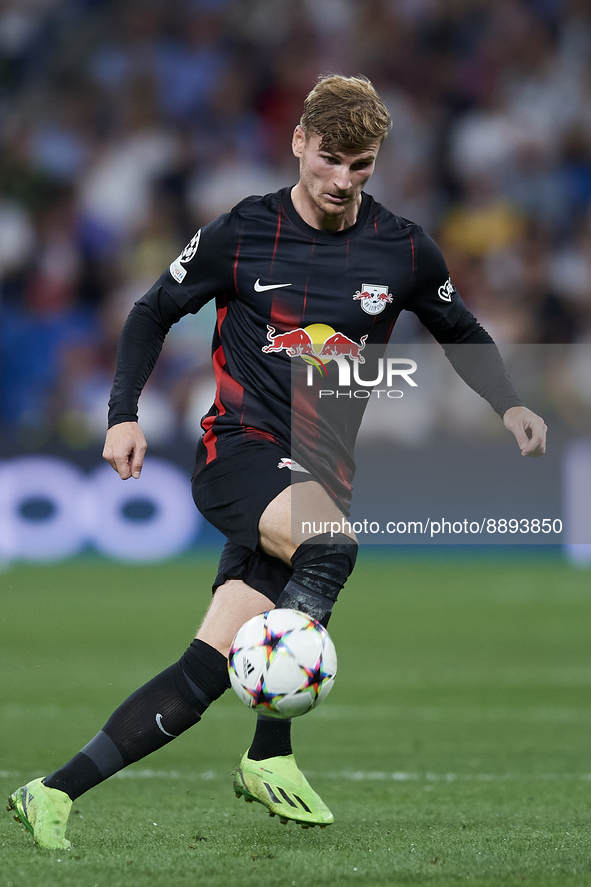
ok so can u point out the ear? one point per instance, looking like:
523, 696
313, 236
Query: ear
298, 141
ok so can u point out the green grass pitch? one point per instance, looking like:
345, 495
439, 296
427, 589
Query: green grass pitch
454, 748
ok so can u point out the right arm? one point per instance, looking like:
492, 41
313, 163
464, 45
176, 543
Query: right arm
201, 272
139, 346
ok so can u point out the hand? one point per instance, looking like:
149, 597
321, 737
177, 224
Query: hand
529, 430
125, 448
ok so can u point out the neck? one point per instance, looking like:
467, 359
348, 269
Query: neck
314, 216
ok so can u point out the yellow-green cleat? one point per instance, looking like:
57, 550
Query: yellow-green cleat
278, 785
44, 812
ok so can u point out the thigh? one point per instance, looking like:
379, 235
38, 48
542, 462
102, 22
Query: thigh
233, 604
297, 514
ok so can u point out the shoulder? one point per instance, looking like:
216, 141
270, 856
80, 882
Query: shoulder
425, 249
378, 214
257, 205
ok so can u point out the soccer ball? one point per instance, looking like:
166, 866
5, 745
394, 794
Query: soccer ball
282, 663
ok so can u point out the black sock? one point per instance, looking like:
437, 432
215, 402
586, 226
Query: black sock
151, 717
272, 738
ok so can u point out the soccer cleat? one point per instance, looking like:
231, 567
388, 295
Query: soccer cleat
44, 812
278, 785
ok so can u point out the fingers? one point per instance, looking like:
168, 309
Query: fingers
529, 430
136, 463
533, 436
536, 444
125, 448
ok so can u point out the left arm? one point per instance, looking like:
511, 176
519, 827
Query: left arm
441, 310
475, 357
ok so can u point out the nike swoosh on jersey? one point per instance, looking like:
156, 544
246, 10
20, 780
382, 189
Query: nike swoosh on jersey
160, 727
260, 288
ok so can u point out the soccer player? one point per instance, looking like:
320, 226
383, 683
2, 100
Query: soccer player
304, 279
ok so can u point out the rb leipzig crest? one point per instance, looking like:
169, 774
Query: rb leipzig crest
373, 298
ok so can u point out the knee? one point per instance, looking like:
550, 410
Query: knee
233, 604
326, 560
321, 566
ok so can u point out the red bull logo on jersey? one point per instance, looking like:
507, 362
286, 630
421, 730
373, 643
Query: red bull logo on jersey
317, 344
373, 298
339, 345
296, 343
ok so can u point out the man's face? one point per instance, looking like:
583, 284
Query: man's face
331, 181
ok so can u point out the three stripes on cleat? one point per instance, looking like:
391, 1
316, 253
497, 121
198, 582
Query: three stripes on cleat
286, 797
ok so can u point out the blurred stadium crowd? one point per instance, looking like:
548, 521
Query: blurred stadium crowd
127, 124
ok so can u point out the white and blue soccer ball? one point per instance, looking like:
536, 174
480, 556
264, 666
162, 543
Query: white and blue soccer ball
282, 663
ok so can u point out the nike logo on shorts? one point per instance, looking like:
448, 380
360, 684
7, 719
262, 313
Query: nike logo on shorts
262, 288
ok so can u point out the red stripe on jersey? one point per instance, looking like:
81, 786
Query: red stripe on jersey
221, 313
284, 311
228, 390
277, 233
257, 434
284, 315
209, 438
306, 286
236, 265
412, 247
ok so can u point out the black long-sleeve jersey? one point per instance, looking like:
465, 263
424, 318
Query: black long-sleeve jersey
293, 304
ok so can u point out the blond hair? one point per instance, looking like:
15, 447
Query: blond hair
346, 112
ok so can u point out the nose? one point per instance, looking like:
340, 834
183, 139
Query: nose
342, 178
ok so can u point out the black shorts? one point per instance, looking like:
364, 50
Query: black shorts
231, 492
260, 571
